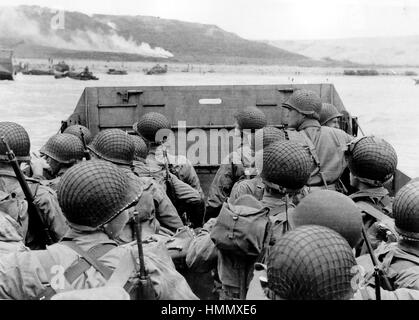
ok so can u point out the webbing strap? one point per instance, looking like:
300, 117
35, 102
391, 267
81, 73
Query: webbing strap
377, 214
89, 259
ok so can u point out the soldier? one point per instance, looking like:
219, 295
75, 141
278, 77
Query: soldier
329, 116
116, 146
239, 164
255, 186
61, 152
75, 130
13, 199
176, 171
326, 144
310, 263
372, 162
96, 198
286, 169
399, 260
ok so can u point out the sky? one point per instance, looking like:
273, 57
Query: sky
267, 19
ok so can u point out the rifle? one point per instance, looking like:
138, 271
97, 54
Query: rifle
35, 216
145, 290
86, 151
169, 183
378, 273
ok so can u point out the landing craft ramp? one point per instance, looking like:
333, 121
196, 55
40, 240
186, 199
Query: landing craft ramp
200, 107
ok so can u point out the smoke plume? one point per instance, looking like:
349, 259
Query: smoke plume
14, 23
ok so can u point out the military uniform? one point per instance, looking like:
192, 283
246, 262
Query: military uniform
326, 144
13, 202
91, 214
116, 146
372, 162
399, 260
237, 165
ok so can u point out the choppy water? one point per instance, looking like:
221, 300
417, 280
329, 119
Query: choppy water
387, 106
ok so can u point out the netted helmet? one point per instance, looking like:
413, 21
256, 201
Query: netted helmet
267, 135
306, 102
17, 139
113, 145
373, 160
406, 211
250, 118
286, 165
91, 193
330, 209
149, 125
64, 148
328, 112
75, 130
311, 263
141, 149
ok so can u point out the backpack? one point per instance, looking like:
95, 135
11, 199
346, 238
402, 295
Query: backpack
240, 228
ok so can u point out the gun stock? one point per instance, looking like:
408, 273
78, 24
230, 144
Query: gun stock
381, 278
37, 224
145, 291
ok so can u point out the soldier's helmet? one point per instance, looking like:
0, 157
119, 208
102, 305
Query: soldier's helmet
250, 118
311, 263
286, 166
141, 149
113, 145
328, 112
267, 135
150, 124
372, 160
75, 130
92, 193
330, 209
406, 211
64, 148
305, 102
18, 140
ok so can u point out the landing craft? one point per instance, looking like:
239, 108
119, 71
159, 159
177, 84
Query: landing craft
206, 108
6, 64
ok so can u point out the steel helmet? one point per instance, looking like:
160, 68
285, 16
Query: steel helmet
141, 149
287, 165
91, 193
266, 136
373, 160
406, 211
75, 130
305, 102
311, 263
328, 113
250, 118
17, 139
64, 148
330, 209
149, 125
113, 145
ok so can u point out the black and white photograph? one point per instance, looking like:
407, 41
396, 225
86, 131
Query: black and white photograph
230, 151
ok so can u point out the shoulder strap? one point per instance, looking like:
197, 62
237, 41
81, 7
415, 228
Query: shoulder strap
89, 259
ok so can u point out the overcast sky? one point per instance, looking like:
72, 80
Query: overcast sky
267, 19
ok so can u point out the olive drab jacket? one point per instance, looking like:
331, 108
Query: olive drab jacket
11, 238
369, 199
17, 208
164, 210
327, 146
28, 275
254, 187
399, 261
232, 169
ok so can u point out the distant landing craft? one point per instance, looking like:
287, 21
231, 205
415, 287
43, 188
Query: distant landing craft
416, 81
